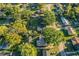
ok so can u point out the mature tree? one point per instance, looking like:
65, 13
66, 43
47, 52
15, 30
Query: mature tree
19, 26
27, 50
26, 14
15, 10
77, 10
33, 23
8, 11
3, 30
69, 7
52, 36
49, 18
13, 38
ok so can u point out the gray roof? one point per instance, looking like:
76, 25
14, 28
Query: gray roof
4, 45
41, 42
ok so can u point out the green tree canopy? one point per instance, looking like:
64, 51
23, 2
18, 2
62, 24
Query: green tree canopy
26, 14
52, 36
3, 30
27, 50
13, 38
49, 17
19, 26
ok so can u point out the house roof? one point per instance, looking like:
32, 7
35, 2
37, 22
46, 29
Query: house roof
75, 40
64, 21
4, 45
41, 42
70, 30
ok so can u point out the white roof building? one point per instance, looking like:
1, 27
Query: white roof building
64, 21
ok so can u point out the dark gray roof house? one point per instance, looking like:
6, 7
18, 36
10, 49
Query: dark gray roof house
3, 44
41, 45
41, 42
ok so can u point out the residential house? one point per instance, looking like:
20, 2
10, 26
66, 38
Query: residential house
65, 21
41, 44
75, 43
70, 30
4, 45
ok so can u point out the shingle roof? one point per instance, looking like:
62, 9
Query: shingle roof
75, 40
41, 42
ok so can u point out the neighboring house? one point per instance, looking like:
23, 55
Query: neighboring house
75, 43
4, 45
41, 42
65, 21
70, 30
